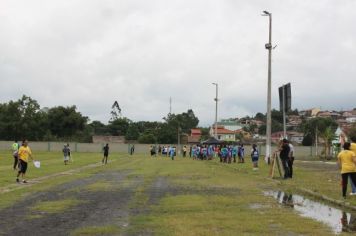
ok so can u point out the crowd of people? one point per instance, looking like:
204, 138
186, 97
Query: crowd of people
346, 159
226, 153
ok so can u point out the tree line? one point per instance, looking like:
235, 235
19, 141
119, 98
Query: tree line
24, 118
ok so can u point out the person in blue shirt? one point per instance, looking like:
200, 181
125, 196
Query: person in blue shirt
234, 152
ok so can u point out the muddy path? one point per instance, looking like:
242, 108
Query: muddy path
105, 198
94, 208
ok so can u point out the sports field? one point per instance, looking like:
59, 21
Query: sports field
143, 195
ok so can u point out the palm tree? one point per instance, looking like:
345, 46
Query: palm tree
328, 135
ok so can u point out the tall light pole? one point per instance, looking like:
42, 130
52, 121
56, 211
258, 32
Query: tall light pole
216, 111
269, 118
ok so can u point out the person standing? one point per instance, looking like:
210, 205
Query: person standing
132, 149
241, 153
353, 148
184, 151
290, 159
15, 149
283, 155
24, 154
106, 154
171, 152
66, 154
347, 164
254, 156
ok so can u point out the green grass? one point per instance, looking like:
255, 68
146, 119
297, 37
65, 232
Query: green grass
52, 207
221, 199
218, 213
96, 230
100, 186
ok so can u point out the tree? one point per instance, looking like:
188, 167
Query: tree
119, 126
65, 122
167, 134
277, 116
352, 132
261, 117
186, 121
132, 132
147, 138
99, 128
323, 127
328, 135
115, 112
22, 119
307, 140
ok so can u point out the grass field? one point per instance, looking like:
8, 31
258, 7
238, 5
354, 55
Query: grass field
165, 197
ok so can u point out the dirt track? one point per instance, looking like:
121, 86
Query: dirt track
113, 206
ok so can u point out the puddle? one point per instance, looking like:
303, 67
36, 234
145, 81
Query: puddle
338, 220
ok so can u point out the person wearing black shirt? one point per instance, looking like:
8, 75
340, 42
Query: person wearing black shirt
284, 155
106, 154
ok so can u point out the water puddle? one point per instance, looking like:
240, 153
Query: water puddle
338, 220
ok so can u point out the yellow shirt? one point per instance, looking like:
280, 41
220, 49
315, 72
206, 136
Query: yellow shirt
24, 153
353, 147
347, 164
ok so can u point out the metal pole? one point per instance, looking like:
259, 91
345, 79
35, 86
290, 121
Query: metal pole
216, 111
284, 113
316, 141
269, 118
178, 149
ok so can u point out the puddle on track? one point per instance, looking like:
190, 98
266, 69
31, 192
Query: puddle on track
339, 220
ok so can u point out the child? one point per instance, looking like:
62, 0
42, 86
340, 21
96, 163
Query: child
254, 155
241, 153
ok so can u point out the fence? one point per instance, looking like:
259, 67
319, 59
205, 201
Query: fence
301, 152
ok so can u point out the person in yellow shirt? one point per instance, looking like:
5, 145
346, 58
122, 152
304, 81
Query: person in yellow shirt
24, 154
347, 163
353, 148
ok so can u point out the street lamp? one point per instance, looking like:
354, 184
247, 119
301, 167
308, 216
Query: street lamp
269, 118
216, 111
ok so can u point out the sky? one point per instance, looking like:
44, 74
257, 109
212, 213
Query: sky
90, 53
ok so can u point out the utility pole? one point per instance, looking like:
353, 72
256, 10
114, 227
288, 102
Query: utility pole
216, 111
269, 117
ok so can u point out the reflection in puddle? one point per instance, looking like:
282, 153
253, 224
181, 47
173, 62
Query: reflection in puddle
337, 219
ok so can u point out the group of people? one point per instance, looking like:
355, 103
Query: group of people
170, 151
226, 153
21, 155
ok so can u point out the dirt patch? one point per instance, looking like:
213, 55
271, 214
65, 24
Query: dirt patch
316, 165
97, 208
94, 208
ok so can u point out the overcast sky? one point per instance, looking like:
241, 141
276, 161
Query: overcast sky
90, 53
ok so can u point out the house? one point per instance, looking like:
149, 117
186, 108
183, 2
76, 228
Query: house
310, 112
351, 119
230, 124
223, 133
295, 137
195, 136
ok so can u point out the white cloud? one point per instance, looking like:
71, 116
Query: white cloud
140, 53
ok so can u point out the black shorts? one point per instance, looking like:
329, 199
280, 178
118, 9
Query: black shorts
23, 166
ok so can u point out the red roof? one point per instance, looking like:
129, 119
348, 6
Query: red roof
195, 132
224, 131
